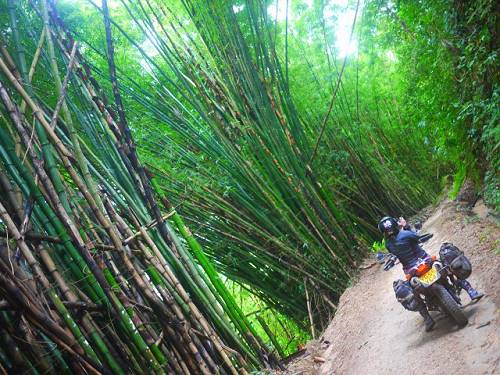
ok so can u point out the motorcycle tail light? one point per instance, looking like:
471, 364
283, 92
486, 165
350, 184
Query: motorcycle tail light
422, 268
434, 258
408, 276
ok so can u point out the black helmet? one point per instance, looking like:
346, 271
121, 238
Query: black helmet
388, 225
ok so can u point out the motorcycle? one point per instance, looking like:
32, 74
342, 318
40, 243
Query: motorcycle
433, 283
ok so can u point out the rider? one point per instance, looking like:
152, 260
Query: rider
404, 244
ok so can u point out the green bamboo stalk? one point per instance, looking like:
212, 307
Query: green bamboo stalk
46, 149
213, 276
271, 336
86, 320
80, 158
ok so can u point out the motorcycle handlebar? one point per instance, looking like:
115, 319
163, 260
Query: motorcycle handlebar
390, 262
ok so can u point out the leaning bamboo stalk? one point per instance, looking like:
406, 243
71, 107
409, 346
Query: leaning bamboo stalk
46, 149
271, 336
35, 237
63, 152
184, 295
39, 272
71, 305
214, 278
60, 90
36, 57
10, 62
309, 312
72, 302
148, 226
15, 295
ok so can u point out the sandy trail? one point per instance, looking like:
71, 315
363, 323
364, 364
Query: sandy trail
372, 333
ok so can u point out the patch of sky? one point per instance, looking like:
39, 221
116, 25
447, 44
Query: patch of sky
339, 17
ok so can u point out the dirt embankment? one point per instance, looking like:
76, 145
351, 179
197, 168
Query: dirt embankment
372, 333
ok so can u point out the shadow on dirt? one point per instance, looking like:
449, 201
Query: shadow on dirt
444, 326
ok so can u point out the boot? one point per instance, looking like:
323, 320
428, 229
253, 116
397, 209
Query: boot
473, 293
428, 321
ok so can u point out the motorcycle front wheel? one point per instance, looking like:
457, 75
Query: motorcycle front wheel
449, 305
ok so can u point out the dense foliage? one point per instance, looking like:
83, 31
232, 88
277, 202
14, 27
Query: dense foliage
280, 131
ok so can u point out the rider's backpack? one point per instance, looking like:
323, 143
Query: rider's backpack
452, 256
405, 296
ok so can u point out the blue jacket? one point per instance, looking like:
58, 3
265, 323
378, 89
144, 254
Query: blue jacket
406, 248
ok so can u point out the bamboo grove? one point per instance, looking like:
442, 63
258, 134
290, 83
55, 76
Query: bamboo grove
154, 152
283, 198
94, 277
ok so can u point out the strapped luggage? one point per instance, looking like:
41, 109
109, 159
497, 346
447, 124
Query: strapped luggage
452, 256
405, 296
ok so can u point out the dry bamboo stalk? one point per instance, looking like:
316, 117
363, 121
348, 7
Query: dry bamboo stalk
36, 57
147, 227
62, 95
309, 312
158, 305
35, 237
16, 296
194, 310
5, 306
10, 62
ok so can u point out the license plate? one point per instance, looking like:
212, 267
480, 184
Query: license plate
429, 277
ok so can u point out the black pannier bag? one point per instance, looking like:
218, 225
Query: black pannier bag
405, 295
452, 256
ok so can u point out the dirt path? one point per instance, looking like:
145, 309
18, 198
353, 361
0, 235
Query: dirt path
372, 333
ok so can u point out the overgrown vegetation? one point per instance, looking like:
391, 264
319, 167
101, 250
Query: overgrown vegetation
251, 123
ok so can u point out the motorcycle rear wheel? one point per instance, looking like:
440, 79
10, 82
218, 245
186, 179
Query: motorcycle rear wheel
449, 305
